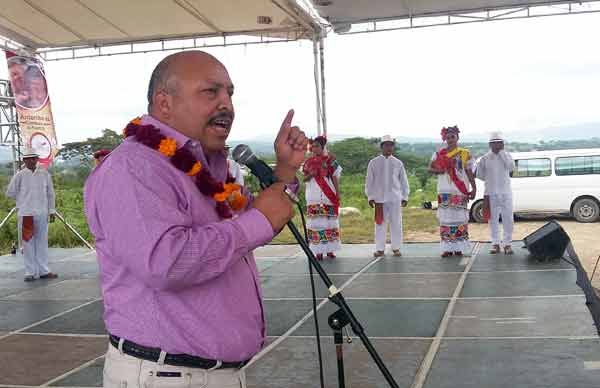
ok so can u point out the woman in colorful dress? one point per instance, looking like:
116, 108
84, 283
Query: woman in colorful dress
453, 166
321, 174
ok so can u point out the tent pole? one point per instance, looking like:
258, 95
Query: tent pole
322, 63
317, 82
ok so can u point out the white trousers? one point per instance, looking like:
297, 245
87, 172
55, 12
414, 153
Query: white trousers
392, 215
35, 251
501, 206
124, 371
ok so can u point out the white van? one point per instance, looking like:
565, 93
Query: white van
553, 182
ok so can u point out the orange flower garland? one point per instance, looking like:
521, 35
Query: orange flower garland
167, 147
228, 196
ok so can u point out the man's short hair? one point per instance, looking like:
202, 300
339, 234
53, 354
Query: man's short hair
159, 80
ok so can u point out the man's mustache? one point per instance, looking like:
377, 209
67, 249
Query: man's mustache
223, 115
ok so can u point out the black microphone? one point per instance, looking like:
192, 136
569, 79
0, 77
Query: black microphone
242, 154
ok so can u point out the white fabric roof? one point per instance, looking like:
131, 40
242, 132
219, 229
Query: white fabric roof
357, 11
87, 23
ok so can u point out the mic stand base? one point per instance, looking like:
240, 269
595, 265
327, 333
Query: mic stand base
344, 314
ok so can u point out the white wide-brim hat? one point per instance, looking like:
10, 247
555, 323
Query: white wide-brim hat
496, 137
386, 139
28, 152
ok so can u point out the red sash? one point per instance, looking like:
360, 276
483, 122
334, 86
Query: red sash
321, 167
443, 162
486, 208
27, 228
379, 213
326, 189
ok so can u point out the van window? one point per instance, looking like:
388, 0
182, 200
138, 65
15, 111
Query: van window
578, 165
532, 167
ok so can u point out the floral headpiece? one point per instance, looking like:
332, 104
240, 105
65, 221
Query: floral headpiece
446, 130
322, 140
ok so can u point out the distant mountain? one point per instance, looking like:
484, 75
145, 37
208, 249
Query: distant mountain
564, 132
561, 132
259, 147
264, 144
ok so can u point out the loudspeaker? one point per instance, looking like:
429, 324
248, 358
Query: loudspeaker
548, 242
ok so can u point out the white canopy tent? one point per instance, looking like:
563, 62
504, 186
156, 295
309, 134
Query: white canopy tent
71, 29
356, 16
45, 25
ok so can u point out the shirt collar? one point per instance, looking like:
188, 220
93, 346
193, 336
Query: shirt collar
166, 130
34, 171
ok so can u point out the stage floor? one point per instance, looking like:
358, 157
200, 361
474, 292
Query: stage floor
478, 321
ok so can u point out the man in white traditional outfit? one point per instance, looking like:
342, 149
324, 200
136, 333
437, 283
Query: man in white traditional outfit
235, 170
495, 168
32, 188
387, 190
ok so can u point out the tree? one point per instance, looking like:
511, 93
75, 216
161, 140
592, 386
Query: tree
354, 154
84, 150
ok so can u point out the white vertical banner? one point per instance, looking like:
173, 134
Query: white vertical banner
29, 86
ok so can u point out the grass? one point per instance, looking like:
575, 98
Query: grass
359, 228
354, 228
69, 202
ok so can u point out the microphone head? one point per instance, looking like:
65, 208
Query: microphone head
242, 154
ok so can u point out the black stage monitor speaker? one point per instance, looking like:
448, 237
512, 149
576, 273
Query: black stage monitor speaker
548, 242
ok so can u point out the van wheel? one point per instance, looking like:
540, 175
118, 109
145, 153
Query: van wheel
477, 212
586, 210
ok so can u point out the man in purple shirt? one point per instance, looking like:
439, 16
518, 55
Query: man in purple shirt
182, 299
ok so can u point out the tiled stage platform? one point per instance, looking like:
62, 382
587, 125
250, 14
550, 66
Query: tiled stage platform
478, 321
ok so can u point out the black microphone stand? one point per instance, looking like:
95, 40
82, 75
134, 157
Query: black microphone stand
344, 316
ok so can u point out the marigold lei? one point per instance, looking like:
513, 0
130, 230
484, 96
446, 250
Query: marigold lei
227, 195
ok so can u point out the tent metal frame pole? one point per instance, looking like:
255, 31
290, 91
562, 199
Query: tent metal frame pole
10, 213
317, 84
322, 70
72, 229
472, 16
12, 137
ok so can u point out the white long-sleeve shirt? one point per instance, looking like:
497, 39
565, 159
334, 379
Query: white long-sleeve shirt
386, 180
494, 170
235, 171
33, 191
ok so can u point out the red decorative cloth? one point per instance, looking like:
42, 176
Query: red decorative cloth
444, 162
27, 228
321, 167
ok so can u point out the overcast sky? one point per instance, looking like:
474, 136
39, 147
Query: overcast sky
509, 75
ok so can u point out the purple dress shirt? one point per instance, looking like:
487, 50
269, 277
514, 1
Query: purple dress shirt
174, 275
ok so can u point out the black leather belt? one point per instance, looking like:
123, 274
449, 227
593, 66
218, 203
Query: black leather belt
185, 360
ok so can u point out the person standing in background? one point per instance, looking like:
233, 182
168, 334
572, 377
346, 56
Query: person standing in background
34, 193
321, 174
235, 170
453, 166
387, 190
495, 168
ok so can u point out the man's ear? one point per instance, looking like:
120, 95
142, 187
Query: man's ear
162, 104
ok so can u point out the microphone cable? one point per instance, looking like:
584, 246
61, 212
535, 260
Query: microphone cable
314, 299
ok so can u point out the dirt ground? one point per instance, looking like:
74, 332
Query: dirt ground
585, 238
